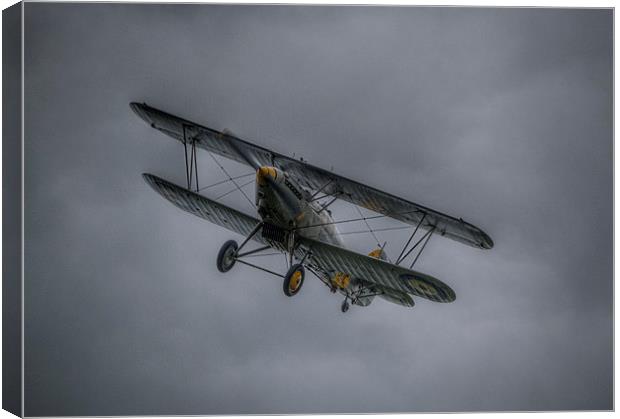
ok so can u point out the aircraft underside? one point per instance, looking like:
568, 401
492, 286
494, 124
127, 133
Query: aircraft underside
292, 201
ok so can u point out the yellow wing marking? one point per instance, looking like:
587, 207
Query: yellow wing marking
341, 280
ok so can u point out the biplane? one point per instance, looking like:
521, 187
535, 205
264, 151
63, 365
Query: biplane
292, 200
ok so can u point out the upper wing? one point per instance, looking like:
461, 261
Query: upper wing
314, 177
208, 209
333, 259
208, 139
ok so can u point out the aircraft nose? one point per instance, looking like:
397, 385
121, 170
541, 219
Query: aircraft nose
264, 174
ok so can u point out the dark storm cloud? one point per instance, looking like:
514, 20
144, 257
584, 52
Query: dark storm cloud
501, 116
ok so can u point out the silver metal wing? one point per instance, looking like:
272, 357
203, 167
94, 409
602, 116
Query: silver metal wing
314, 177
202, 207
395, 281
333, 259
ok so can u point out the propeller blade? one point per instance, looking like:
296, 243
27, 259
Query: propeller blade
250, 159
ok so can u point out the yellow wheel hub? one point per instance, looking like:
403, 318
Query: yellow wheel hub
295, 281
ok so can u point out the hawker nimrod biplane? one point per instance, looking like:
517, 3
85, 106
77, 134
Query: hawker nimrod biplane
292, 201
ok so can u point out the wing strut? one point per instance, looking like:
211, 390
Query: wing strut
191, 163
325, 206
426, 237
191, 169
260, 268
321, 189
400, 257
237, 256
252, 233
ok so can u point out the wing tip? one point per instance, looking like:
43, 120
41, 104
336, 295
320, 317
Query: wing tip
447, 294
487, 241
477, 237
428, 287
152, 180
140, 110
148, 177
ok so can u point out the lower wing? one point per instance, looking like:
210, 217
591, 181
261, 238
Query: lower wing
393, 282
206, 208
385, 275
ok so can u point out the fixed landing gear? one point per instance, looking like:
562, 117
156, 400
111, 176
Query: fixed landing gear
227, 256
345, 306
230, 253
293, 280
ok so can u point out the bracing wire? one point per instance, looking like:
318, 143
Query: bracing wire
237, 188
231, 179
356, 219
346, 233
367, 225
224, 181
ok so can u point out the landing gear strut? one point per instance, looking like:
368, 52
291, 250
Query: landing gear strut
230, 253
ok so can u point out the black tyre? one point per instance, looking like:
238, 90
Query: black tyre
344, 307
293, 280
226, 258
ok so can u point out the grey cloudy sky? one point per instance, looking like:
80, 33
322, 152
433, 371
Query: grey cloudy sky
500, 116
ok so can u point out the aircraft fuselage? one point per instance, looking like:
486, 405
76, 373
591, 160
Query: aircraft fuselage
281, 201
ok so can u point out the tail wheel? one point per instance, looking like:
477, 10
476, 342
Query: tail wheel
294, 279
226, 258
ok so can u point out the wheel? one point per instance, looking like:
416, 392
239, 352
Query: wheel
226, 257
293, 280
345, 306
